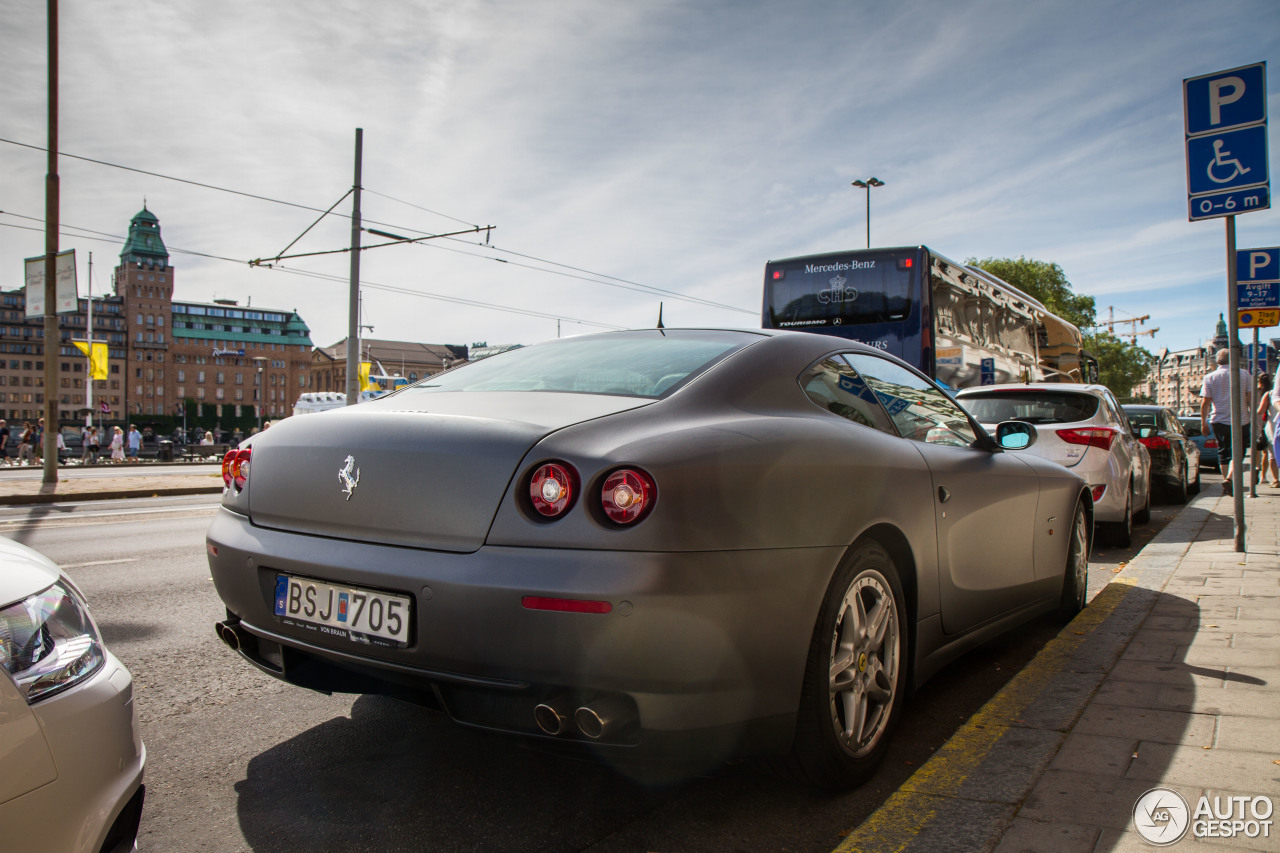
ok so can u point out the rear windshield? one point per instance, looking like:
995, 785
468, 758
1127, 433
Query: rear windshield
1142, 419
1191, 425
647, 364
1032, 406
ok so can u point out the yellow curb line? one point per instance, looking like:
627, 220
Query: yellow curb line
902, 817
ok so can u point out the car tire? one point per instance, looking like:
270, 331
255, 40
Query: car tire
1122, 531
1075, 579
845, 719
1143, 515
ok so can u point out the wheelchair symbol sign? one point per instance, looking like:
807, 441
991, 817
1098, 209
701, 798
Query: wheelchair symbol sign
1224, 161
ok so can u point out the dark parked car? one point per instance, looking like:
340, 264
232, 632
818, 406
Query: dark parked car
1207, 443
1175, 458
656, 543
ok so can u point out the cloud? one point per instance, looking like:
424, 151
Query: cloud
674, 144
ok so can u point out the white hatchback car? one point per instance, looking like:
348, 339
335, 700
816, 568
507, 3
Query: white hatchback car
72, 755
1083, 428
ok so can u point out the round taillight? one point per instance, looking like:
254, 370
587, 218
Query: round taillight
627, 495
235, 468
551, 489
240, 468
227, 461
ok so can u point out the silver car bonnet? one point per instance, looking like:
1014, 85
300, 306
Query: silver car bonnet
424, 470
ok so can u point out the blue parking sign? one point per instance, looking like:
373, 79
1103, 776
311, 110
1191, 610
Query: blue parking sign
1226, 99
1254, 265
1227, 152
1228, 160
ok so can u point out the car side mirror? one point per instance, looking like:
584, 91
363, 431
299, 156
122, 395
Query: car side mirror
1015, 435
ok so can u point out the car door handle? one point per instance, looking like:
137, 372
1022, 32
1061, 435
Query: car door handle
944, 494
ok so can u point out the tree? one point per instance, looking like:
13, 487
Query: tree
1120, 365
1046, 282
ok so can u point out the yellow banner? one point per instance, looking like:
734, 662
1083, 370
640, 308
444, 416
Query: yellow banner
364, 376
97, 361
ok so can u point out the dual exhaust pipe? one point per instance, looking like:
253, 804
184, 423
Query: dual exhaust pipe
228, 634
603, 718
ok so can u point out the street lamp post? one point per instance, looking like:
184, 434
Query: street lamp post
258, 360
867, 185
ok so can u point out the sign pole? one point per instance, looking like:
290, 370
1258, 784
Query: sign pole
1254, 474
1233, 366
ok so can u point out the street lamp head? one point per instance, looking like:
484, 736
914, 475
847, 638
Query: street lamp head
869, 182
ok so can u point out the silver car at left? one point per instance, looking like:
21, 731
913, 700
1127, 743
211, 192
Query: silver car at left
71, 757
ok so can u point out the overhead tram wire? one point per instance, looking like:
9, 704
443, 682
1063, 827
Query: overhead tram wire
586, 275
104, 237
589, 276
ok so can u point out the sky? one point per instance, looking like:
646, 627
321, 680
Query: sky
626, 155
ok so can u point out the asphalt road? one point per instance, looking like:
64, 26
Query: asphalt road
238, 761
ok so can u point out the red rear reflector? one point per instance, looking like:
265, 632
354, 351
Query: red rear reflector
565, 605
1092, 436
1155, 442
907, 262
777, 275
1098, 492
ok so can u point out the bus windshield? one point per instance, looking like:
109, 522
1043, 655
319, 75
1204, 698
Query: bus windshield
853, 288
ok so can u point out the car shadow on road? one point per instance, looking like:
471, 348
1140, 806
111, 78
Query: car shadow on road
396, 777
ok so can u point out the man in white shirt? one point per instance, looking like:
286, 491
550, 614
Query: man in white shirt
1215, 411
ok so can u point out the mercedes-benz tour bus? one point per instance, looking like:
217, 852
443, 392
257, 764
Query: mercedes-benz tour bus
959, 324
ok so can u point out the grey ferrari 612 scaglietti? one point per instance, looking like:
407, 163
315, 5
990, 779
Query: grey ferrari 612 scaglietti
659, 543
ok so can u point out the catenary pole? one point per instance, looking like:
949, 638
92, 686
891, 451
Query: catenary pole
353, 305
51, 341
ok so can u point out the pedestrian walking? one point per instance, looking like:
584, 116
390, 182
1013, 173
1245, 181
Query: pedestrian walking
117, 445
135, 443
4, 443
38, 441
26, 445
1215, 410
1266, 434
89, 445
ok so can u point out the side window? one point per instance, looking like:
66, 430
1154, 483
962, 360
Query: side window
919, 409
1117, 414
836, 387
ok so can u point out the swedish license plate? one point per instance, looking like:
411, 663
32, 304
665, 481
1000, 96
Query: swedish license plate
348, 609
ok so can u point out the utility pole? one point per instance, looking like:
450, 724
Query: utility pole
51, 193
353, 305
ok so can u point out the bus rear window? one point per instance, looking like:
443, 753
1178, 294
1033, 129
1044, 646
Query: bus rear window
833, 291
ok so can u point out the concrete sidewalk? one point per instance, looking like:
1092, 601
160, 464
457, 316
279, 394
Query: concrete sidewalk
1170, 679
134, 484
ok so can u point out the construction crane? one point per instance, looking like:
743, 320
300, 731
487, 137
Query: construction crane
1133, 334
